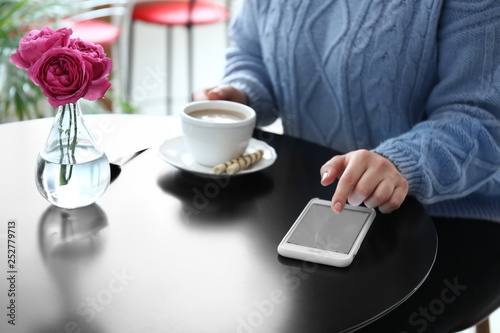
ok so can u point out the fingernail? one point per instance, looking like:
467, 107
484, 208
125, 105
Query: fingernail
218, 91
325, 174
356, 199
337, 208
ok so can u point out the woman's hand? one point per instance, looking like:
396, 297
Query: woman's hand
223, 92
366, 177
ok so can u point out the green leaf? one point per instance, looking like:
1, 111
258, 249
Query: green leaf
14, 9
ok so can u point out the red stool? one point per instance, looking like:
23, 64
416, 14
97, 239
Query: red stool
96, 31
170, 14
93, 22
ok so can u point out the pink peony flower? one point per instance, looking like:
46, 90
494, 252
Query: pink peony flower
33, 45
66, 69
101, 65
63, 74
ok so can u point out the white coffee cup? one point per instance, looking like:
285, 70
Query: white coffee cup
216, 131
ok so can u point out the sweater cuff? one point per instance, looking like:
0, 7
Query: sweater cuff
258, 98
408, 166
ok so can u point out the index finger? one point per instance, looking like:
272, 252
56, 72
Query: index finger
347, 182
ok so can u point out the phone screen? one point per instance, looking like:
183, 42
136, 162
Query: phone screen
322, 229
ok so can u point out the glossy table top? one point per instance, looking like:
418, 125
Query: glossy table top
166, 251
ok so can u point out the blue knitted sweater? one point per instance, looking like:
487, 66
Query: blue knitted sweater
417, 81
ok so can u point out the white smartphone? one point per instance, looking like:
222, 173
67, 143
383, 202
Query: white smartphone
321, 236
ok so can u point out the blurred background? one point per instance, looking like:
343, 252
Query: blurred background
144, 89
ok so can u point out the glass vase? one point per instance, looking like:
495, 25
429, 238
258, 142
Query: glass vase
71, 170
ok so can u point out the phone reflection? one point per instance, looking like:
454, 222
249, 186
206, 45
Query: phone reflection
70, 241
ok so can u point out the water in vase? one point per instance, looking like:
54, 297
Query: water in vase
75, 180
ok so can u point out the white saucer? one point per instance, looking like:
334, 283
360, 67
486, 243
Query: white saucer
174, 152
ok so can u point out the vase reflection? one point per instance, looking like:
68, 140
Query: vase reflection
71, 241
74, 235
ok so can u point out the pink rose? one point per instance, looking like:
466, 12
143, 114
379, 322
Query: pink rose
63, 74
36, 43
66, 69
101, 65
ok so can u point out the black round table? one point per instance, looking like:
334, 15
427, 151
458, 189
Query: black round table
168, 251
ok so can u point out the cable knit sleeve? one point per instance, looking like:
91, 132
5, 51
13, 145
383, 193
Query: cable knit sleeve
457, 149
245, 68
